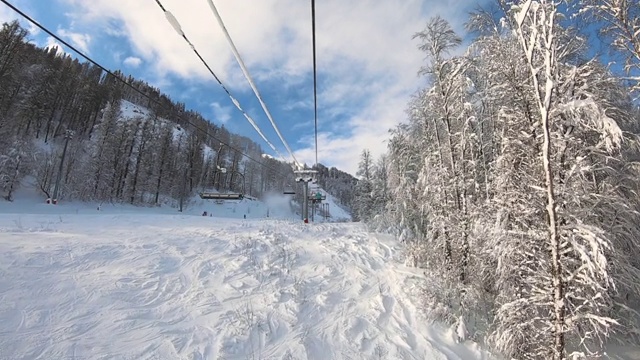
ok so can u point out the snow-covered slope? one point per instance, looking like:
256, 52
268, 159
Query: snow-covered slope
130, 110
277, 207
336, 212
150, 285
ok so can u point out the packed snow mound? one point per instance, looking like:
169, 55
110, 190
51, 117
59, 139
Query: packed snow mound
156, 286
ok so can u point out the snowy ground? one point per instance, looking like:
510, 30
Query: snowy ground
77, 283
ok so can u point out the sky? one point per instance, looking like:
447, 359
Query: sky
367, 61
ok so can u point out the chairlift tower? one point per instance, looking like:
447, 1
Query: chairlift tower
305, 177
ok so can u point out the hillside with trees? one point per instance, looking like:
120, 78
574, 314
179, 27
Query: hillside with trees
515, 180
163, 154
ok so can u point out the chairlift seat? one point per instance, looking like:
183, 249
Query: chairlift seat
218, 196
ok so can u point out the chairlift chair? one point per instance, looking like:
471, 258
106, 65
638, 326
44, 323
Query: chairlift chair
228, 196
219, 196
316, 196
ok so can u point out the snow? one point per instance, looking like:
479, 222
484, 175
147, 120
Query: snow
336, 211
208, 153
522, 12
147, 283
174, 22
131, 111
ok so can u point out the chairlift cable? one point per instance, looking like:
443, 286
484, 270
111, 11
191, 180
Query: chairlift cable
248, 77
176, 26
315, 91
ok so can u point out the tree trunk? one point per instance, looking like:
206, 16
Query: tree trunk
546, 39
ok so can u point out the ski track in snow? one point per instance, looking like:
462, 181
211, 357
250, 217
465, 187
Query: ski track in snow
186, 287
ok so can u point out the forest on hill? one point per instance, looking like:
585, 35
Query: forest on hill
53, 104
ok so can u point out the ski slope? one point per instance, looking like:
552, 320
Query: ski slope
89, 284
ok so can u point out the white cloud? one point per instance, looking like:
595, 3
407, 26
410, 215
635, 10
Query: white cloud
117, 56
298, 104
367, 129
6, 14
78, 40
132, 61
367, 60
33, 30
221, 113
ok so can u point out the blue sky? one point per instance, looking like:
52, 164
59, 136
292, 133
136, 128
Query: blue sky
367, 61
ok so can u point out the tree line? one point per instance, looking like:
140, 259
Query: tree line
514, 181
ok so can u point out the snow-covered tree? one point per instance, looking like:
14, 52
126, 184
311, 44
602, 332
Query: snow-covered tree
363, 199
560, 296
404, 164
498, 183
450, 148
380, 194
16, 161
